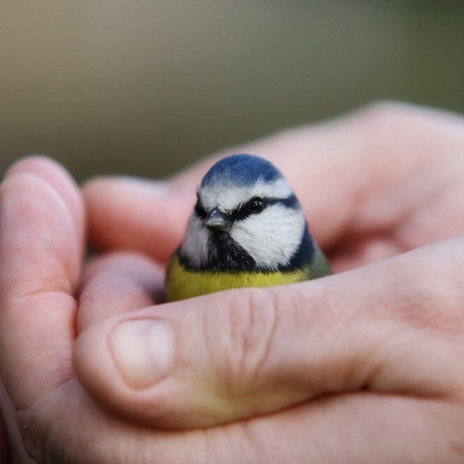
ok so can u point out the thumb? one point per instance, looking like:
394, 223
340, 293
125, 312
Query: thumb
249, 352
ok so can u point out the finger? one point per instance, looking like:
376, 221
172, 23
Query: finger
118, 283
140, 215
56, 177
239, 354
41, 248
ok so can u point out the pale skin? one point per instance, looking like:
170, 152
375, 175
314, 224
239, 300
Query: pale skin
360, 367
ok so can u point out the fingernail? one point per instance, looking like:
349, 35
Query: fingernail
143, 351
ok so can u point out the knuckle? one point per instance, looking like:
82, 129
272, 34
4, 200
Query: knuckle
251, 322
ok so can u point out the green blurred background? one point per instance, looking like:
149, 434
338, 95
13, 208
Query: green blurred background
144, 87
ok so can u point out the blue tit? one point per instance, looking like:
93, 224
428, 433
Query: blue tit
247, 229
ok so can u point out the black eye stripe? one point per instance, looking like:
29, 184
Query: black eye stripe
289, 202
243, 211
199, 210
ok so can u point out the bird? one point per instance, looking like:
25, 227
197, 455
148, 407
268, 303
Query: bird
247, 229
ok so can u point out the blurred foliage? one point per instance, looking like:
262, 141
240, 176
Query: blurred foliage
144, 87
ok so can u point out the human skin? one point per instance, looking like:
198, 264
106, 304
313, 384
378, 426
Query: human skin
363, 366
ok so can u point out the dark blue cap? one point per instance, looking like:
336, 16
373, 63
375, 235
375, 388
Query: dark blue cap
242, 170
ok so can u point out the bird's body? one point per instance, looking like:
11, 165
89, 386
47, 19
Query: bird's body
247, 230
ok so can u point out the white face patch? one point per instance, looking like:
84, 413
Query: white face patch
272, 237
195, 243
229, 197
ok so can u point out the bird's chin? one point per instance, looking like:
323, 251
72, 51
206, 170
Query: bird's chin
219, 235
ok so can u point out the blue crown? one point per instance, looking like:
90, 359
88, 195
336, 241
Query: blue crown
241, 170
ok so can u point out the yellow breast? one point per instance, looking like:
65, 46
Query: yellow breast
182, 283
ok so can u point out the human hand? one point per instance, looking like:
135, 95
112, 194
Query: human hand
369, 359
376, 184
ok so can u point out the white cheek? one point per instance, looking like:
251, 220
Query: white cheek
271, 237
195, 243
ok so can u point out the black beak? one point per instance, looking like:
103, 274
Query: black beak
217, 221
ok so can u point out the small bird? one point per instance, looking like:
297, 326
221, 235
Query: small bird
247, 229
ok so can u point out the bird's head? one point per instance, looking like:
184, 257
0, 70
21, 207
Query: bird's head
246, 217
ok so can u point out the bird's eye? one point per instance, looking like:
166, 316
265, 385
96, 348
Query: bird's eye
256, 205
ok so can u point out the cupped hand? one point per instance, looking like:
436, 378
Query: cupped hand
375, 185
363, 366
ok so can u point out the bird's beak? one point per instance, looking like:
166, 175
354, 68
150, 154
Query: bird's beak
217, 221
